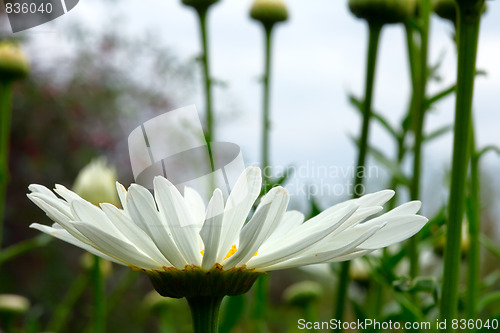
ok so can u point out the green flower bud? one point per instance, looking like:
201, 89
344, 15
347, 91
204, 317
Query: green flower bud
87, 261
447, 9
199, 5
269, 12
383, 11
359, 270
303, 293
13, 62
96, 183
13, 304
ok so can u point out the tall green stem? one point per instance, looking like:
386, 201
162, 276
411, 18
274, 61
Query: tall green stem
209, 134
5, 115
373, 41
266, 122
205, 313
473, 255
99, 310
418, 114
469, 16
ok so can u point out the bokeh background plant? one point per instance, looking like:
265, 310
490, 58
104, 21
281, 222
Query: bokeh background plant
101, 70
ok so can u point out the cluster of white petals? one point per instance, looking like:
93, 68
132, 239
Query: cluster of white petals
174, 230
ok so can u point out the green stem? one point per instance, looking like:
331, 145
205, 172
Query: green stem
373, 41
418, 115
473, 255
5, 115
266, 122
18, 249
209, 134
99, 310
205, 313
469, 17
64, 309
261, 297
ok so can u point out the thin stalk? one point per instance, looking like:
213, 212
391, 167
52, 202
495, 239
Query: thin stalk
205, 313
418, 115
209, 134
261, 307
262, 283
18, 249
266, 122
373, 41
99, 308
5, 115
64, 309
469, 17
473, 255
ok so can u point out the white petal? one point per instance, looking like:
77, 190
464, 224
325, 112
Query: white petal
260, 227
57, 216
142, 209
122, 195
238, 206
35, 188
398, 228
85, 211
324, 256
174, 210
285, 249
210, 233
195, 204
66, 194
291, 220
116, 248
62, 234
133, 233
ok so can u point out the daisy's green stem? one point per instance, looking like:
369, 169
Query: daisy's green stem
99, 310
474, 230
209, 134
205, 313
469, 16
266, 123
5, 114
374, 36
418, 114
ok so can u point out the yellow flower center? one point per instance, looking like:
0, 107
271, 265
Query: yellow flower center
230, 252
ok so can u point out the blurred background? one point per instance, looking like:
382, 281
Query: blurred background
106, 66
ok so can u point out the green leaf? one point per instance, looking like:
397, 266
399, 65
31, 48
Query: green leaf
486, 149
392, 166
487, 300
440, 95
490, 245
358, 105
437, 133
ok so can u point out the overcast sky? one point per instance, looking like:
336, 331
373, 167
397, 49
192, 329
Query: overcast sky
319, 58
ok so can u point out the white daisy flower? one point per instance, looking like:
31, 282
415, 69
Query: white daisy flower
170, 236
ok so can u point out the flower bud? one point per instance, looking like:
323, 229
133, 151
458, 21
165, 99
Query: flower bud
87, 261
199, 5
303, 293
96, 183
13, 304
13, 62
269, 12
446, 9
359, 270
383, 11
